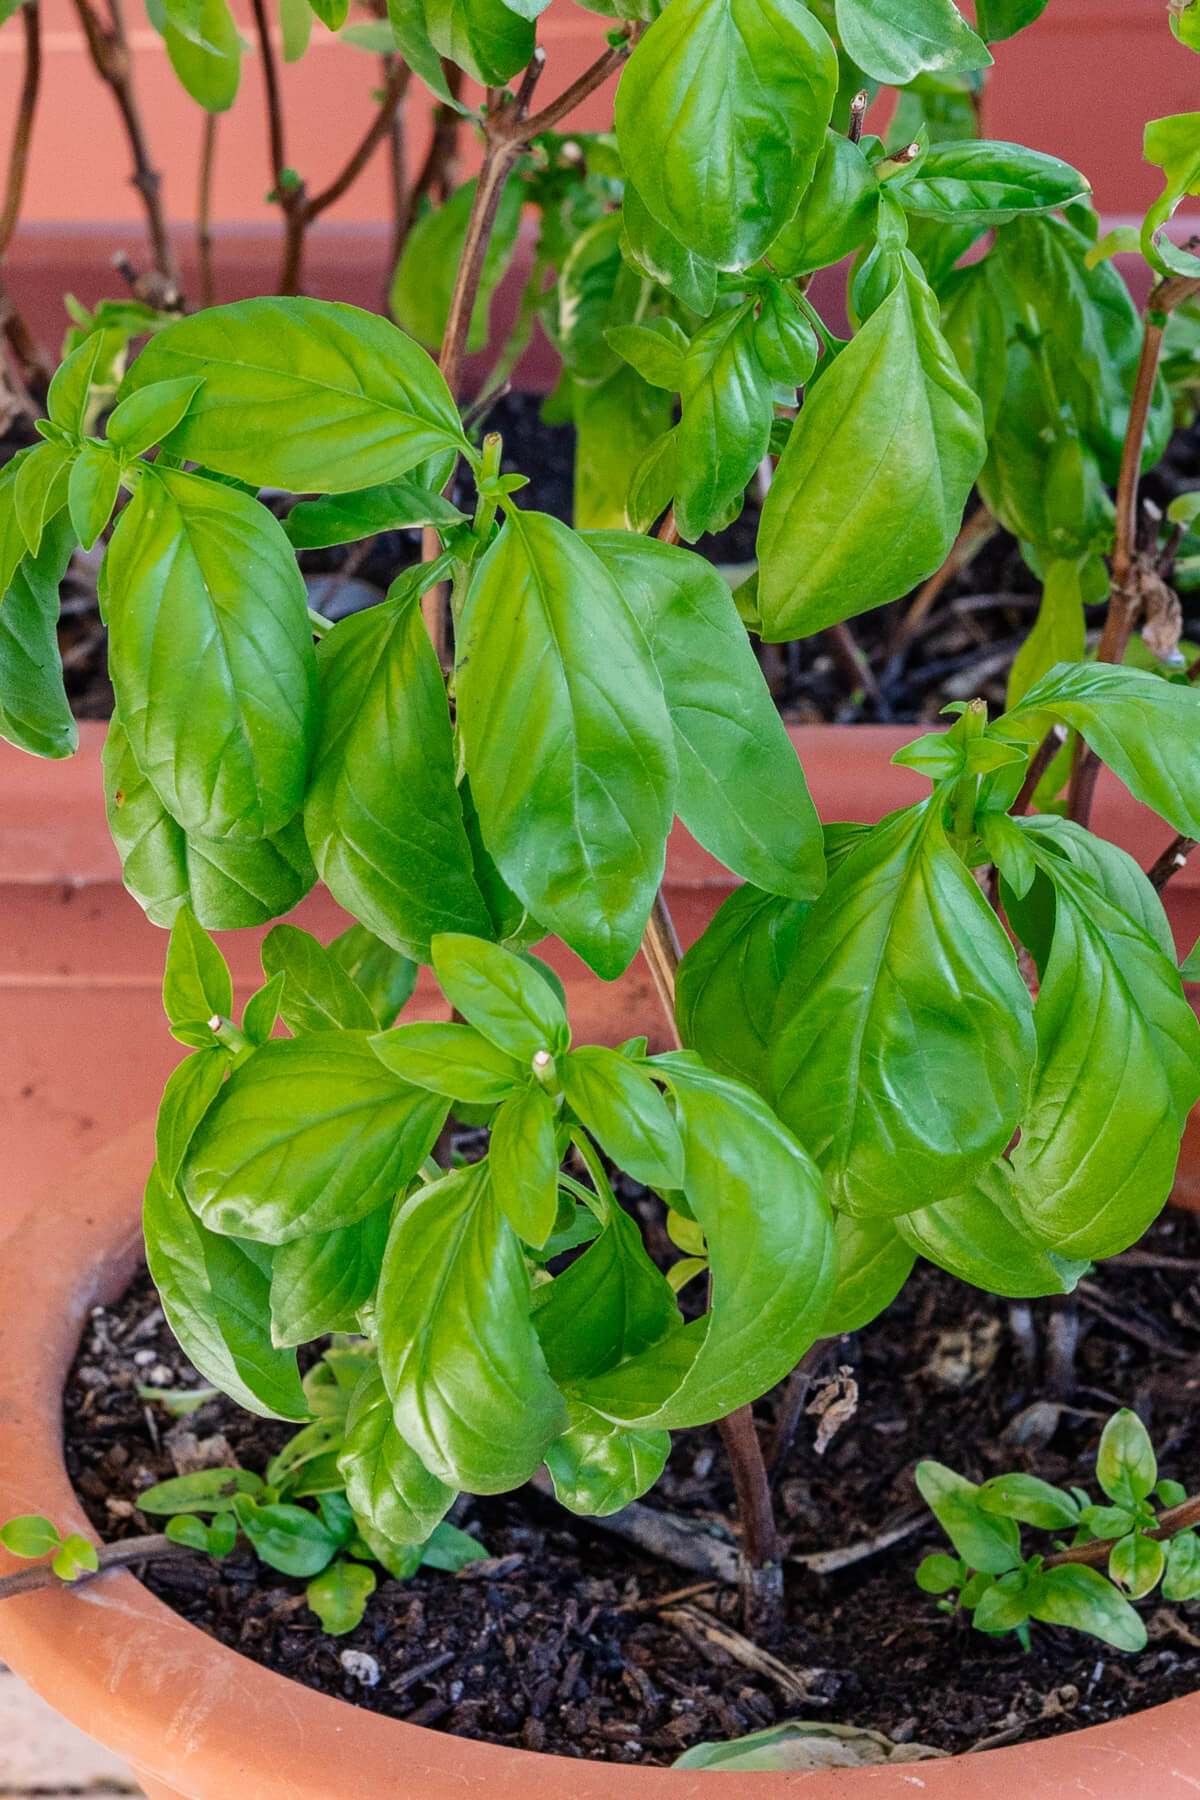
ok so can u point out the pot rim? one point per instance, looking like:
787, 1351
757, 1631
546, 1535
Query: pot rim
189, 1712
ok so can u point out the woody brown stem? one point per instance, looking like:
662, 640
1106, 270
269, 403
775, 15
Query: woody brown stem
760, 1567
1168, 865
128, 1552
30, 359
1168, 1525
208, 154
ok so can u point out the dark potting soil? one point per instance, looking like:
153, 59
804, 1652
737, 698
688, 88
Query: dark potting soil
571, 1641
915, 662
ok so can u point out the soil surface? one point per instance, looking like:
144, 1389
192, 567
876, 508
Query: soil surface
903, 662
572, 1641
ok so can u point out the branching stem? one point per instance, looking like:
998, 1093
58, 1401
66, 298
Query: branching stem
1169, 1523
123, 1555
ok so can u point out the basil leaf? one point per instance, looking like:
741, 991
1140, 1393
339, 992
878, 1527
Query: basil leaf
204, 47
523, 1158
423, 284
874, 1262
382, 974
902, 969
484, 37
308, 395
196, 979
656, 350
895, 40
721, 111
598, 1467
985, 1540
461, 1363
410, 28
884, 452
973, 1237
288, 1538
190, 1091
504, 996
318, 995
454, 1060
383, 815
986, 183
998, 19
836, 214
1114, 871
1030, 1500
742, 792
661, 256
319, 1282
1060, 630
339, 1596
611, 1303
386, 1483
727, 401
401, 505
211, 655
625, 1113
35, 713
92, 489
1078, 1596
553, 666
40, 489
228, 884
325, 1111
728, 982
616, 422
767, 1223
215, 1299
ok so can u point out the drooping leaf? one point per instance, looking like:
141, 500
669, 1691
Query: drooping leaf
611, 1303
598, 1467
973, 1237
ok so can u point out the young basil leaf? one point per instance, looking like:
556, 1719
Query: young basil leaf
318, 995
611, 1303
29, 1535
721, 112
215, 1298
1172, 145
204, 46
769, 1231
895, 40
1136, 1563
69, 399
188, 1530
657, 253
385, 976
312, 396
486, 38
319, 1281
75, 1554
938, 1573
228, 884
210, 1491
211, 655
1079, 1596
312, 1445
1006, 1604
344, 518
873, 1264
460, 1360
35, 713
901, 968
386, 1483
987, 183
92, 489
190, 1091
288, 1538
339, 1595
423, 284
1126, 1466
1030, 1500
523, 1157
598, 1467
1182, 1579
985, 1541
501, 995
196, 981
727, 402
150, 414
382, 815
728, 982
40, 489
742, 791
558, 699
324, 1108
454, 1060
625, 1113
784, 341
653, 482
836, 214
885, 452
972, 1235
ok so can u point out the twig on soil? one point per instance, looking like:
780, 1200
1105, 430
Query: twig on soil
153, 1548
828, 1562
720, 1644
1141, 1334
661, 1534
655, 1602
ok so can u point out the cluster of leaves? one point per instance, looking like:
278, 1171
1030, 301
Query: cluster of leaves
1003, 1589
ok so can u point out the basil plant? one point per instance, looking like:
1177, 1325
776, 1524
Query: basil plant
959, 1033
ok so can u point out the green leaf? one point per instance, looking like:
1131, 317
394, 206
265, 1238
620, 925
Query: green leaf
874, 1262
1172, 145
1030, 1500
656, 350
190, 1091
523, 1157
727, 402
661, 256
986, 183
345, 518
197, 984
999, 19
320, 1281
1126, 1466
625, 1113
206, 1491
1136, 1563
1080, 1597
309, 1135
598, 1467
295, 25
186, 1529
1182, 1578
610, 1303
228, 884
288, 1538
972, 1235
29, 1535
386, 1483
836, 214
1114, 871
728, 983
423, 284
884, 454
307, 395
35, 713
40, 489
567, 739
216, 1301
411, 29
451, 1549
501, 995
721, 112
211, 655
902, 970
616, 423
339, 1595
482, 36
205, 49
318, 995
70, 398
938, 1573
286, 1471
383, 815
1006, 1603
742, 791
386, 977
895, 40
92, 490
460, 1360
596, 290
985, 1541
449, 1059
1060, 631
74, 1556
1106, 1521
769, 1231
1143, 728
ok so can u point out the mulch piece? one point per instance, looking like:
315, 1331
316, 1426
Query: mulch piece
573, 1642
